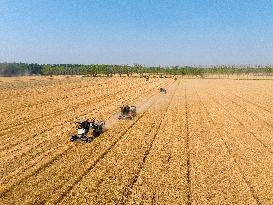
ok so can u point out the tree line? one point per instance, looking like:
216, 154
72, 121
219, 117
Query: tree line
17, 69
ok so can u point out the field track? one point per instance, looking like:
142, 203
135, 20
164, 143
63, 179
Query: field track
206, 141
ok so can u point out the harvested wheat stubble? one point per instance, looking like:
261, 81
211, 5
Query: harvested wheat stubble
249, 148
254, 156
256, 122
215, 177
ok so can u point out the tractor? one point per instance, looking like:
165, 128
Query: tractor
127, 112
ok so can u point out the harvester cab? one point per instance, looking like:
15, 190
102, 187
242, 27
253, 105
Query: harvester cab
163, 90
127, 112
83, 129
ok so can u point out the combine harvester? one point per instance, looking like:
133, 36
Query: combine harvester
84, 126
127, 112
98, 126
163, 90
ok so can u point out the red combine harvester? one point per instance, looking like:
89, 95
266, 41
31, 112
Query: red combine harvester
127, 112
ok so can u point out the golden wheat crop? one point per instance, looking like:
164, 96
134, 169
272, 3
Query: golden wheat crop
206, 141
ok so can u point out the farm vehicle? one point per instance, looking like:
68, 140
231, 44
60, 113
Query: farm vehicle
84, 127
127, 112
163, 90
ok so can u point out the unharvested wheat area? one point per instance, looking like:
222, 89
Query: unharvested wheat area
206, 141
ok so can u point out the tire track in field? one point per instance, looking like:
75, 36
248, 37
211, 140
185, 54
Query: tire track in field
66, 150
189, 202
243, 100
35, 171
255, 104
247, 110
251, 112
128, 191
233, 156
242, 125
163, 178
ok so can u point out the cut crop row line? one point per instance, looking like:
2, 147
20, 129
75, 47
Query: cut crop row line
188, 151
242, 124
255, 104
47, 130
245, 109
232, 155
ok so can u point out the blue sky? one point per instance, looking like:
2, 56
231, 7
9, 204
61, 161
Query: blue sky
186, 32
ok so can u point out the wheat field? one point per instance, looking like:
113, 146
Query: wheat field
207, 141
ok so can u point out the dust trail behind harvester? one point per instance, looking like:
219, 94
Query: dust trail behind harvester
141, 106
